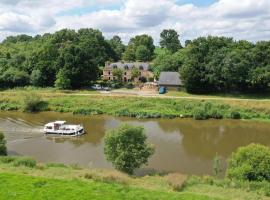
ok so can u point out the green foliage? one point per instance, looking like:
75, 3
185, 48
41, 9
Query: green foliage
169, 39
24, 161
32, 103
235, 115
63, 80
126, 148
3, 147
250, 163
142, 53
135, 73
118, 46
216, 64
37, 61
118, 73
140, 47
14, 77
217, 165
166, 61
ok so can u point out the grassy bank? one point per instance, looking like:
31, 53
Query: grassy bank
23, 179
140, 107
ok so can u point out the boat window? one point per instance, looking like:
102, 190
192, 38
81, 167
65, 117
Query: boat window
48, 127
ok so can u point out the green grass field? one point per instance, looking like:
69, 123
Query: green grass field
23, 187
90, 103
57, 181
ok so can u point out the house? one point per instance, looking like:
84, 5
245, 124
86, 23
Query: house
170, 80
127, 70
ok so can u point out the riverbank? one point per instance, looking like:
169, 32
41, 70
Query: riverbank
23, 178
92, 103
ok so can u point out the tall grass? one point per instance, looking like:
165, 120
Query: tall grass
137, 106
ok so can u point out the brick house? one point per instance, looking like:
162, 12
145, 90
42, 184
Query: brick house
127, 70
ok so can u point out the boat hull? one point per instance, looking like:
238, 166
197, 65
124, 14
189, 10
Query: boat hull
65, 133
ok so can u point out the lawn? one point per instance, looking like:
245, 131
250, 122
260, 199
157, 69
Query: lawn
24, 187
55, 181
189, 106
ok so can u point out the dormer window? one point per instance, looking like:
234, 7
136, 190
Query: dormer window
126, 67
141, 67
114, 66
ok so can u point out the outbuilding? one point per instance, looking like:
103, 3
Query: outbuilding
170, 80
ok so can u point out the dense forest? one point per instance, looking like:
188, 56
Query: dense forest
73, 59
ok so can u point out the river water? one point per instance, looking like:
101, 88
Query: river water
182, 145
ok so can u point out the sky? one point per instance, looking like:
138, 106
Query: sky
241, 19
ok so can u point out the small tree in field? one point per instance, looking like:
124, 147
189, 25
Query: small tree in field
118, 73
126, 148
3, 148
250, 163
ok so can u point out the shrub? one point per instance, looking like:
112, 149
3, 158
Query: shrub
250, 163
7, 159
199, 114
129, 86
32, 103
3, 147
126, 148
235, 115
24, 161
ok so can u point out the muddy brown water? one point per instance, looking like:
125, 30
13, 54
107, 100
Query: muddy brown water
182, 145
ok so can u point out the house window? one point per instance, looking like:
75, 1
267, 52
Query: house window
115, 66
125, 73
109, 73
141, 67
126, 67
109, 78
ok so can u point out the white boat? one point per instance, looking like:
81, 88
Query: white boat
61, 128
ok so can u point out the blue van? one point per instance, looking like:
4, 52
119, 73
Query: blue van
162, 90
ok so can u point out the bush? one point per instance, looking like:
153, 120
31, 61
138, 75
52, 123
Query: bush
3, 147
126, 148
199, 114
32, 103
56, 165
235, 115
129, 86
24, 161
250, 163
7, 159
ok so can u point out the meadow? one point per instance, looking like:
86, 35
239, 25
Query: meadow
23, 178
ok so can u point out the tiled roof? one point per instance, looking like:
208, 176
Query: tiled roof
121, 65
170, 78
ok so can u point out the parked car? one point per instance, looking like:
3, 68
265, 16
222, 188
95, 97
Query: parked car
106, 88
162, 90
96, 87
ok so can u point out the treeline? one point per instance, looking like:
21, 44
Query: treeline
73, 59
67, 59
219, 64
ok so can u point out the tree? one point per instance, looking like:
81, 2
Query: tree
118, 73
137, 42
126, 148
250, 163
3, 148
129, 54
135, 73
118, 46
170, 40
166, 61
63, 80
36, 78
13, 77
142, 53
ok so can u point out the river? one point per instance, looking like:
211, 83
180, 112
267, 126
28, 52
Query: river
182, 145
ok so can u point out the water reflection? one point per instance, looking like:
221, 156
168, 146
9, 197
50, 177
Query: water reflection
182, 145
